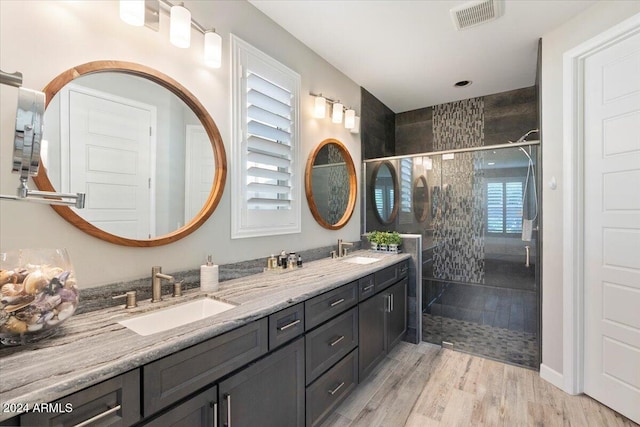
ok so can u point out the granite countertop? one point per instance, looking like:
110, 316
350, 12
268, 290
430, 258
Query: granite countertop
92, 347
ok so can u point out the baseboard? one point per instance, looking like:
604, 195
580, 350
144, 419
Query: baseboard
552, 376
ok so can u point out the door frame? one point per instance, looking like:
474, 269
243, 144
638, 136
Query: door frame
573, 315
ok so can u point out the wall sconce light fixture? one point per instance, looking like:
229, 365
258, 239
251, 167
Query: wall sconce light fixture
147, 13
336, 113
351, 121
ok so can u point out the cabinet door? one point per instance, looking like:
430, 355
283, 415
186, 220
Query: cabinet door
397, 313
198, 411
268, 393
372, 337
114, 402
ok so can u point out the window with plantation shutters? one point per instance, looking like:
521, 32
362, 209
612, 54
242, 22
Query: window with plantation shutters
406, 191
266, 181
504, 207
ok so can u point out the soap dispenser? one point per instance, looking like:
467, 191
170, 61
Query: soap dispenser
209, 276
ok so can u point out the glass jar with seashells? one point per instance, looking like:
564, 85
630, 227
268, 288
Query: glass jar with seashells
37, 293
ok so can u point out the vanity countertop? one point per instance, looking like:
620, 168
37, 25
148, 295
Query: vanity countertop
93, 347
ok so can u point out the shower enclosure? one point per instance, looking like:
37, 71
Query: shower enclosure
477, 212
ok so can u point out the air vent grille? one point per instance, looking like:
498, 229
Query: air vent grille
475, 13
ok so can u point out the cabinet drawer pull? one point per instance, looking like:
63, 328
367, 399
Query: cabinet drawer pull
99, 416
228, 399
333, 343
335, 390
215, 414
289, 325
366, 288
391, 296
340, 301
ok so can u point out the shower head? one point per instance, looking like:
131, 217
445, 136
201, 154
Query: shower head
524, 137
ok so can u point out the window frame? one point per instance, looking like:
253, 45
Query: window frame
504, 181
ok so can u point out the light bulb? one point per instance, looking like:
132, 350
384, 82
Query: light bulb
132, 12
180, 27
320, 107
212, 49
349, 119
336, 116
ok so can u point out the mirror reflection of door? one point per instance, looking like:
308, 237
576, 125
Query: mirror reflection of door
108, 144
199, 168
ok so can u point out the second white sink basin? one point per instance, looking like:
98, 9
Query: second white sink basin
178, 315
361, 260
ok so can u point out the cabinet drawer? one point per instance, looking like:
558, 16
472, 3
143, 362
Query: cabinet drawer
331, 388
115, 402
390, 275
366, 287
285, 325
323, 307
200, 410
176, 376
331, 342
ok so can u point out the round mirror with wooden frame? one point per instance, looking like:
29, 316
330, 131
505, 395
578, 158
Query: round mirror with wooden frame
175, 96
384, 193
421, 199
330, 184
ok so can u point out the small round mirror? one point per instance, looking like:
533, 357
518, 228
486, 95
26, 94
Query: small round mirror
384, 192
330, 184
421, 199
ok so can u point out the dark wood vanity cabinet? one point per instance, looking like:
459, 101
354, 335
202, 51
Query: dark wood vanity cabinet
290, 368
268, 393
382, 318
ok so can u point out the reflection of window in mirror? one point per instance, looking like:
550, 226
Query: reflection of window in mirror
406, 188
384, 192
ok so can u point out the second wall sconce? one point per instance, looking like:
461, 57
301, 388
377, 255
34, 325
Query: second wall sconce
147, 13
351, 121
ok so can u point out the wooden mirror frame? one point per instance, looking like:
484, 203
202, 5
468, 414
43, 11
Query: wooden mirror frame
220, 158
353, 186
396, 193
426, 207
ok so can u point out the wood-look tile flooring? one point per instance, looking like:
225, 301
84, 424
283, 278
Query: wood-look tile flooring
424, 385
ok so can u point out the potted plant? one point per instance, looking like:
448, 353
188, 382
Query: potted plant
394, 241
383, 241
373, 238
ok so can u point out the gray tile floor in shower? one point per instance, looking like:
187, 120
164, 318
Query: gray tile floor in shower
501, 323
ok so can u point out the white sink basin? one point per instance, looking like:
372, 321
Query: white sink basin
361, 260
174, 316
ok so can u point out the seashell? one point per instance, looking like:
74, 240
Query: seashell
46, 302
12, 289
15, 307
35, 282
27, 314
35, 327
14, 326
4, 316
46, 317
12, 276
65, 310
16, 300
67, 295
53, 321
51, 272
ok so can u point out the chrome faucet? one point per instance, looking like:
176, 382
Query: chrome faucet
156, 283
342, 251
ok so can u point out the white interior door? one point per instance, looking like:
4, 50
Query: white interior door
109, 160
612, 226
200, 169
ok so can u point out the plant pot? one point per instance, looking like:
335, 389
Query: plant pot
374, 246
383, 248
393, 247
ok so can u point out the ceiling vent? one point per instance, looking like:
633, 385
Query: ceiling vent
476, 12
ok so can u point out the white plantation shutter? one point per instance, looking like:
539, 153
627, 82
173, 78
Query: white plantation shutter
504, 207
268, 144
266, 182
406, 184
